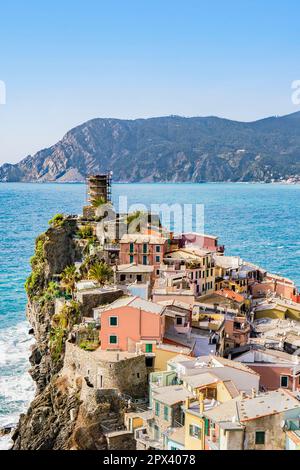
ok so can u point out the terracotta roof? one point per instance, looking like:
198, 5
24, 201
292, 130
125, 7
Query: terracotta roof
230, 294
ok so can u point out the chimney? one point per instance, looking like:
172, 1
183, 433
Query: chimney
201, 402
187, 403
253, 392
243, 394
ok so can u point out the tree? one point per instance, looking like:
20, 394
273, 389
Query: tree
100, 272
69, 278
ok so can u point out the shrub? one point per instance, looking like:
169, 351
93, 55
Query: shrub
57, 220
85, 232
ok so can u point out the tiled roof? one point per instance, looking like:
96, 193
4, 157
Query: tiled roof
230, 294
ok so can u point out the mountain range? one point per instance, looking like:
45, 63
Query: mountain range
171, 148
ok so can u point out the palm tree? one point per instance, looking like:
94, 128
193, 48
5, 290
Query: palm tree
100, 272
69, 278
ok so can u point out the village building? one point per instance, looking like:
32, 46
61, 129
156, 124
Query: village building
251, 423
243, 377
232, 333
131, 324
139, 248
277, 285
276, 368
133, 273
202, 242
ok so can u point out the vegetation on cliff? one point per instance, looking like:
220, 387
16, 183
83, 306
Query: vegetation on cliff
101, 273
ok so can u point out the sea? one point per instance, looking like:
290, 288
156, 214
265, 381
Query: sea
258, 222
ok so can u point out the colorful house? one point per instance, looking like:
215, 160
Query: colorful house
131, 324
251, 423
139, 248
276, 368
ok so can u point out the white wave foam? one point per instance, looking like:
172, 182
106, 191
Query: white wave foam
16, 386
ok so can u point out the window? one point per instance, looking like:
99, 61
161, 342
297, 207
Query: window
113, 321
145, 260
157, 272
157, 258
123, 277
195, 431
157, 408
145, 248
149, 348
166, 413
113, 339
259, 437
131, 259
178, 321
284, 381
149, 361
131, 247
157, 248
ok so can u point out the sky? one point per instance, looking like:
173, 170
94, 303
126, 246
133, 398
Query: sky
65, 62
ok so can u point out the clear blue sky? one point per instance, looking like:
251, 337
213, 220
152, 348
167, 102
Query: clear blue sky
65, 62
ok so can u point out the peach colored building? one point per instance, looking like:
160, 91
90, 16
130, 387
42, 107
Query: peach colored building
148, 250
277, 369
131, 324
280, 286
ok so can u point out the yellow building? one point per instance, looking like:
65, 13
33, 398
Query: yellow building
278, 309
208, 395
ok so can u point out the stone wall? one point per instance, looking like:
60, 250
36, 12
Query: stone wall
90, 300
120, 440
128, 375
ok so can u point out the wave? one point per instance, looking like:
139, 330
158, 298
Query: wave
17, 388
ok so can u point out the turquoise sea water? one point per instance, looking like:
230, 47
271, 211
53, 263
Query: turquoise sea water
258, 222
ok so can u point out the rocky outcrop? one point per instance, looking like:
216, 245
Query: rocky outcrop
169, 148
64, 418
67, 411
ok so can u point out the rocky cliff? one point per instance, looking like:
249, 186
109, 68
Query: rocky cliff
63, 415
169, 148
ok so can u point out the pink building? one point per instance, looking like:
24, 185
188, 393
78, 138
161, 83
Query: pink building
202, 241
277, 369
131, 324
148, 250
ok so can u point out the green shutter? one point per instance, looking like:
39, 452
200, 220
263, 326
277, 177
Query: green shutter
206, 427
148, 348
